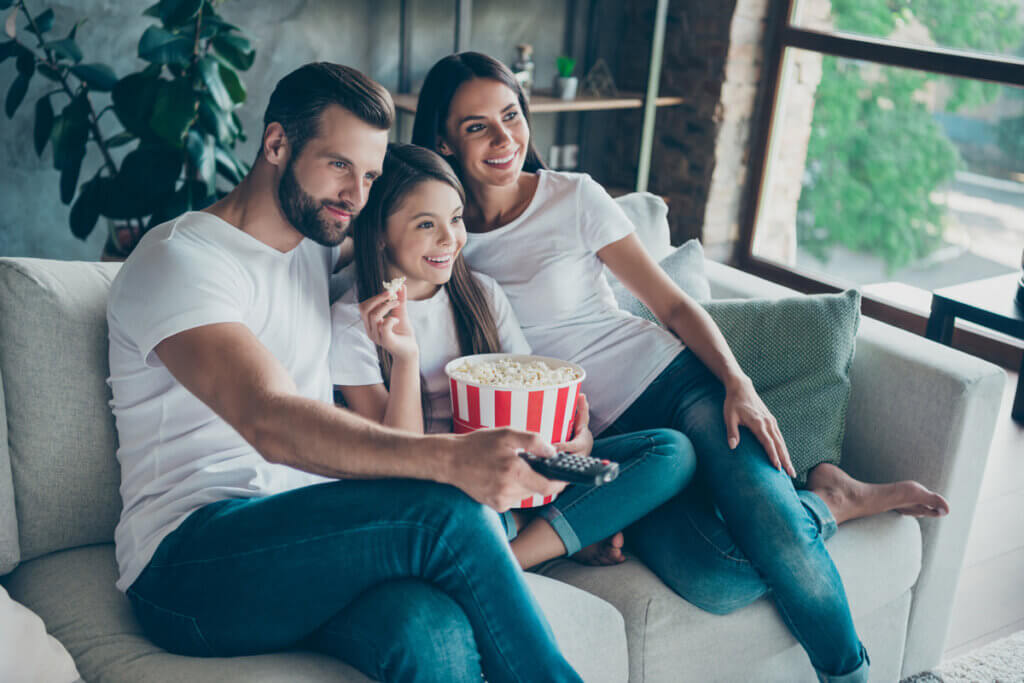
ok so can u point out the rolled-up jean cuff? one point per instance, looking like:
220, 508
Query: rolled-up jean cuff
858, 675
561, 526
509, 522
826, 519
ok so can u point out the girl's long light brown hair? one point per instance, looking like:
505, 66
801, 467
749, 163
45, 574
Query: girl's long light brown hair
405, 167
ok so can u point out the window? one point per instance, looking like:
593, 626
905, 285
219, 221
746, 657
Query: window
890, 155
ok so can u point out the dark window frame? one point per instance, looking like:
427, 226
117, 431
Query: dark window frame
780, 34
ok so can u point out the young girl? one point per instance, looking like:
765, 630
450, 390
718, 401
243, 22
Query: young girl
388, 355
546, 237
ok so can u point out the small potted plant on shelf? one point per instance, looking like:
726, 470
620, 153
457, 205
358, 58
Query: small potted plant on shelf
565, 82
178, 111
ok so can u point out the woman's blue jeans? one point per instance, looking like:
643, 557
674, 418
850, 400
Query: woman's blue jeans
654, 465
307, 568
742, 529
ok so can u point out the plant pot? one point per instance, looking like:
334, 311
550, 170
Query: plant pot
565, 88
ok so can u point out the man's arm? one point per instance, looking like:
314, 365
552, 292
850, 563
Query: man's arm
227, 368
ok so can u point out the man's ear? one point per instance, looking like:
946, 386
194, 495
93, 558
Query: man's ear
275, 144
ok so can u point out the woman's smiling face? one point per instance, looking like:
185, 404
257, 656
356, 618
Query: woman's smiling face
487, 132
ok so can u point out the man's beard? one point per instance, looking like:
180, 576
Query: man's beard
305, 213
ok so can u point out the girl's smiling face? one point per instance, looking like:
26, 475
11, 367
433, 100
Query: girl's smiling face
424, 237
487, 132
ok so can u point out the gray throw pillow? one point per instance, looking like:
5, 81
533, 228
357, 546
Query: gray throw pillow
685, 266
798, 352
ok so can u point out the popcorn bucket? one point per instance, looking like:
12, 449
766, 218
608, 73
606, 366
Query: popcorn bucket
549, 410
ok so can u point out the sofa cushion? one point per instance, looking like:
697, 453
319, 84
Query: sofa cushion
684, 265
27, 651
53, 360
10, 553
649, 214
73, 591
670, 639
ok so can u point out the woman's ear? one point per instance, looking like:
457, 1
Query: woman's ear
444, 149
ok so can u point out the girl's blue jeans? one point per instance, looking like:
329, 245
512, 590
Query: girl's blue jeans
406, 580
654, 465
742, 529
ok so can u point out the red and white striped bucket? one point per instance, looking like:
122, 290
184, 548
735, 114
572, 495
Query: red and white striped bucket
549, 411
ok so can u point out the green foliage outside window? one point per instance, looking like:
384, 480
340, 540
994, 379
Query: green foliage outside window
876, 153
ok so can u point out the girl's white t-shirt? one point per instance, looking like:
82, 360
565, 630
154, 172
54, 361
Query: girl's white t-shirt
353, 356
546, 261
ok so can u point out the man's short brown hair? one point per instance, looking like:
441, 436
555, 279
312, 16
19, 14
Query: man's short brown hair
300, 97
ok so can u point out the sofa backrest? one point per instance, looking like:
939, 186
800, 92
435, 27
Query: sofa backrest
61, 442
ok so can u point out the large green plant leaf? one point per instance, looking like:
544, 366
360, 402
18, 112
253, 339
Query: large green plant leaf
177, 12
99, 76
26, 62
44, 21
216, 121
70, 132
4, 4
202, 155
121, 139
163, 47
66, 49
147, 176
44, 123
235, 49
69, 176
233, 83
134, 97
174, 110
86, 209
229, 166
16, 94
210, 72
8, 50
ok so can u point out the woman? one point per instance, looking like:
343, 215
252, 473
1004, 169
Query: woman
743, 529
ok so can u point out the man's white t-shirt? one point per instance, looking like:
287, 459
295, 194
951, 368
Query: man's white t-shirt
546, 261
176, 454
353, 357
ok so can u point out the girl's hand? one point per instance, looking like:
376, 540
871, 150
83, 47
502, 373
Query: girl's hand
744, 407
582, 440
388, 326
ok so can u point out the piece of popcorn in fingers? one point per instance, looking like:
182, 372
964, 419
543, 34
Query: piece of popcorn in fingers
392, 287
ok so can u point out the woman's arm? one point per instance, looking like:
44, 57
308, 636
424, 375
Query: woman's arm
629, 261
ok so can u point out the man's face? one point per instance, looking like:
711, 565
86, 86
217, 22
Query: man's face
326, 185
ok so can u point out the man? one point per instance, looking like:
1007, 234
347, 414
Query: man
256, 514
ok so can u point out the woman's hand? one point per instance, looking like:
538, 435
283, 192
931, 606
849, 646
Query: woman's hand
582, 440
744, 407
387, 324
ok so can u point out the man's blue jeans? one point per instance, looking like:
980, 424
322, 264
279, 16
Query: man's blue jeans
741, 529
302, 568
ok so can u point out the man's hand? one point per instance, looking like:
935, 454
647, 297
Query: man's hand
582, 440
486, 465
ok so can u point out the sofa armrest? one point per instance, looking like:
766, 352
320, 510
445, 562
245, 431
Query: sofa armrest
920, 410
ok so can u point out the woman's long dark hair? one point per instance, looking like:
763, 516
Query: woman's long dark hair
439, 88
405, 167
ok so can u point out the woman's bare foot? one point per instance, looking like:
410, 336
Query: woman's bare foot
606, 552
849, 499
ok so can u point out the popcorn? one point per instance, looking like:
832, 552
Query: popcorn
392, 287
511, 373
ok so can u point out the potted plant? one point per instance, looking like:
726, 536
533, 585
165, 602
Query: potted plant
565, 82
178, 112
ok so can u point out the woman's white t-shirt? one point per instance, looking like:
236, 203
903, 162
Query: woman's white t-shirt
353, 356
546, 261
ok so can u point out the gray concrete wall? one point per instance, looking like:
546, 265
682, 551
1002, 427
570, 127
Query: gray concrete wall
286, 33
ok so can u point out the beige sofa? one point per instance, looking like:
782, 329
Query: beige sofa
918, 410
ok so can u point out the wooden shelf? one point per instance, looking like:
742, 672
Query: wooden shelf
542, 103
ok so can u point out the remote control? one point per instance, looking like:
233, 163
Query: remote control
576, 469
